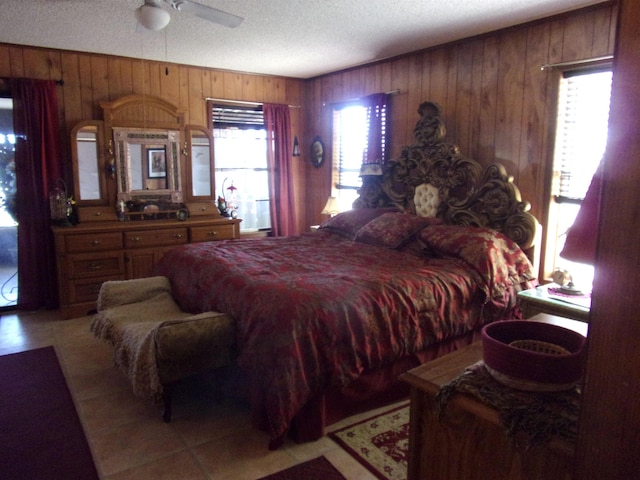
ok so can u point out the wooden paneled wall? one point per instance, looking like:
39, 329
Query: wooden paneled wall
497, 103
90, 79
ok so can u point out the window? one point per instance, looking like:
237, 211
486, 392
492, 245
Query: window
581, 137
351, 125
240, 152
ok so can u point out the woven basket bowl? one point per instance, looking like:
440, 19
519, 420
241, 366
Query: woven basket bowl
533, 356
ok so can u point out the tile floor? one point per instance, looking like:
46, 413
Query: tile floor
206, 440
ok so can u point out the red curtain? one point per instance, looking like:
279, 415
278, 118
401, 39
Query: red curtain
377, 114
278, 125
38, 166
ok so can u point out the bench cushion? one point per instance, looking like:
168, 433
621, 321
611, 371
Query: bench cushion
155, 342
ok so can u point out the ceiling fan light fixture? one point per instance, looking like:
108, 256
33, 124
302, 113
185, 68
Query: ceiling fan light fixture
152, 18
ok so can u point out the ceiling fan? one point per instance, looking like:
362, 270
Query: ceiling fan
152, 16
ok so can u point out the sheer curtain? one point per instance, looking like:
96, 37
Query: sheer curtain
278, 125
38, 165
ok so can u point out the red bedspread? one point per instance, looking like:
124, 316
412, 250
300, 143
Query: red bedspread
317, 310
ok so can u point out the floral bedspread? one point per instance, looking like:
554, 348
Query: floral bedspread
317, 310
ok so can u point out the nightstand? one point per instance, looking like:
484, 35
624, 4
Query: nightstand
539, 300
468, 441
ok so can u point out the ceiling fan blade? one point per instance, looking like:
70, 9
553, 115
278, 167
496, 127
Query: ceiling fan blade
208, 13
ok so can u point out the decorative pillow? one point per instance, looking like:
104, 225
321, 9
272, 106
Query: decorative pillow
391, 230
497, 259
348, 223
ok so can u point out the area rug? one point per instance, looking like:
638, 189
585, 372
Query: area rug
380, 443
42, 437
317, 469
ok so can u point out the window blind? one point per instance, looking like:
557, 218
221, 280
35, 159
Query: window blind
581, 135
350, 128
237, 117
357, 143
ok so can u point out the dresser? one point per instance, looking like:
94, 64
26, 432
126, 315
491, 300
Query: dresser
91, 253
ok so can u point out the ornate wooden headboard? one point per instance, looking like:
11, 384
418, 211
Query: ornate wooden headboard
432, 178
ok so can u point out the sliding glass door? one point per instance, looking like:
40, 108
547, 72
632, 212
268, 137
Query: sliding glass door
8, 225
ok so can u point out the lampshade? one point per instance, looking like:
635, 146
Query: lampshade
152, 18
580, 244
331, 207
370, 169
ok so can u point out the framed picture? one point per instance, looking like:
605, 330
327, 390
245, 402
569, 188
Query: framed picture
157, 161
317, 152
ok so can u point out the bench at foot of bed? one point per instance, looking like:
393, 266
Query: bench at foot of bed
155, 343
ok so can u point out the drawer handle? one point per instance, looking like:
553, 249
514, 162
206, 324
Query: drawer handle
203, 209
98, 214
96, 266
96, 242
137, 239
178, 235
213, 233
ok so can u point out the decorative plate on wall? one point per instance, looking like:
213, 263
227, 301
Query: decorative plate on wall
317, 152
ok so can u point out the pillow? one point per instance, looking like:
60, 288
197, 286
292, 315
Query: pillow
494, 256
391, 230
348, 223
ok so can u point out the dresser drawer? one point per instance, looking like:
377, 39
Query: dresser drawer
155, 238
96, 214
212, 232
96, 264
93, 242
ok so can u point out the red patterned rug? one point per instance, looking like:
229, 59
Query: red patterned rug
317, 469
380, 443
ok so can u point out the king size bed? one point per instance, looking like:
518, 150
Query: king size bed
326, 321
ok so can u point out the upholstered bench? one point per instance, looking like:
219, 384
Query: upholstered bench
155, 343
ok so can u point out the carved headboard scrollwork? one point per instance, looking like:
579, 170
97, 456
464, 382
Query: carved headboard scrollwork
456, 188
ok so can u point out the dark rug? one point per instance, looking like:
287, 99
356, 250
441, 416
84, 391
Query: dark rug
317, 469
41, 435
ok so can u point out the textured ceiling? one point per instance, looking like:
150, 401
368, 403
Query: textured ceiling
294, 38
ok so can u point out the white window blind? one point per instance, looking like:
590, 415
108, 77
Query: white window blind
581, 136
350, 130
350, 139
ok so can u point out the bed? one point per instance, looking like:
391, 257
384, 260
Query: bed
433, 249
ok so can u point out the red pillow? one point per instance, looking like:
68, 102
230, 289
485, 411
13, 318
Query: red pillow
494, 256
348, 223
391, 230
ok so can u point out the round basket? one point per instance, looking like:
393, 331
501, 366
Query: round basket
533, 356
540, 347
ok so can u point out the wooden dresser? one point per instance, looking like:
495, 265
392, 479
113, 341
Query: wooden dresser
94, 252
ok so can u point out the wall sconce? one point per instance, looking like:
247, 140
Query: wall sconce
331, 207
296, 147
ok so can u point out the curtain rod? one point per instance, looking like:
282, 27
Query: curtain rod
391, 92
576, 62
241, 102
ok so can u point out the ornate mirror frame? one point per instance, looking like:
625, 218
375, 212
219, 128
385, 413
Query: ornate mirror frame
143, 121
87, 154
136, 152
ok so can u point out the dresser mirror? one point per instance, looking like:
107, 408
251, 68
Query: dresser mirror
199, 164
147, 165
86, 148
